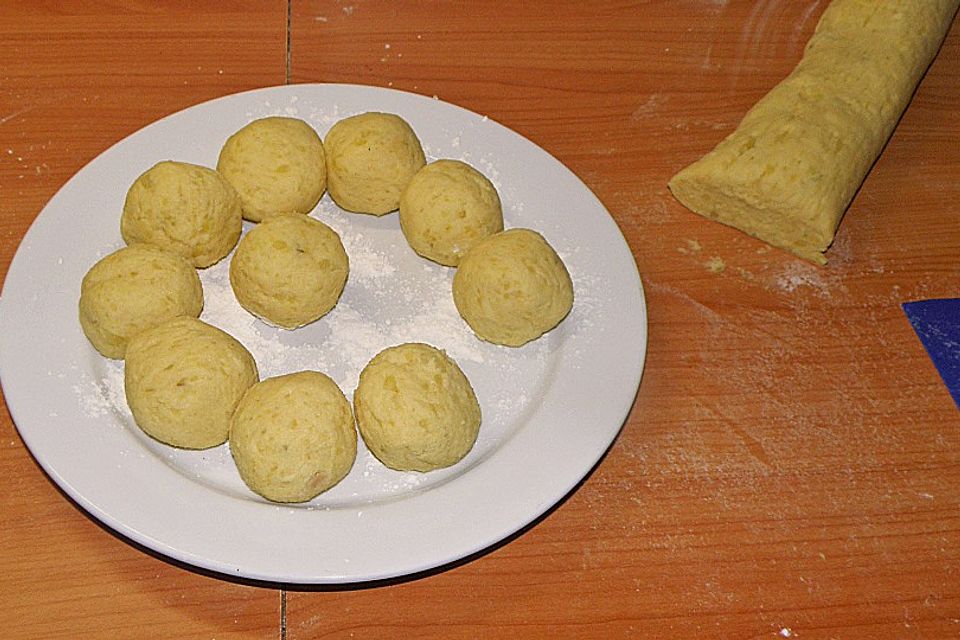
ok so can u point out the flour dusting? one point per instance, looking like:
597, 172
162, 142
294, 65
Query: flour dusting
391, 296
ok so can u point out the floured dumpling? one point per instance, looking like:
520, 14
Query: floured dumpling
277, 165
370, 159
447, 208
512, 288
184, 208
416, 409
133, 289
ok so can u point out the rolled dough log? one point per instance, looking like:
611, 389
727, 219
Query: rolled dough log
790, 169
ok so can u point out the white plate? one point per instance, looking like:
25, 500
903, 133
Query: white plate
550, 409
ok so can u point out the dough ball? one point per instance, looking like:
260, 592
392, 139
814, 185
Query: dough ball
184, 208
133, 289
512, 287
289, 270
183, 379
277, 165
293, 437
447, 208
371, 158
416, 409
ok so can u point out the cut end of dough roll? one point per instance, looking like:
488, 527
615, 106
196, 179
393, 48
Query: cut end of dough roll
733, 205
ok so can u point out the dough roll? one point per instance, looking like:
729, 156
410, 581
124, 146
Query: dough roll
790, 169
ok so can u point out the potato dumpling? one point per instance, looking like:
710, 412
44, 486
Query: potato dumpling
512, 288
293, 437
133, 289
370, 159
183, 208
289, 270
416, 409
277, 165
183, 379
447, 208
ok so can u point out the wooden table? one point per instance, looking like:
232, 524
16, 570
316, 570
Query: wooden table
791, 467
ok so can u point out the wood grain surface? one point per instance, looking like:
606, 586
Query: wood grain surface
76, 78
791, 467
